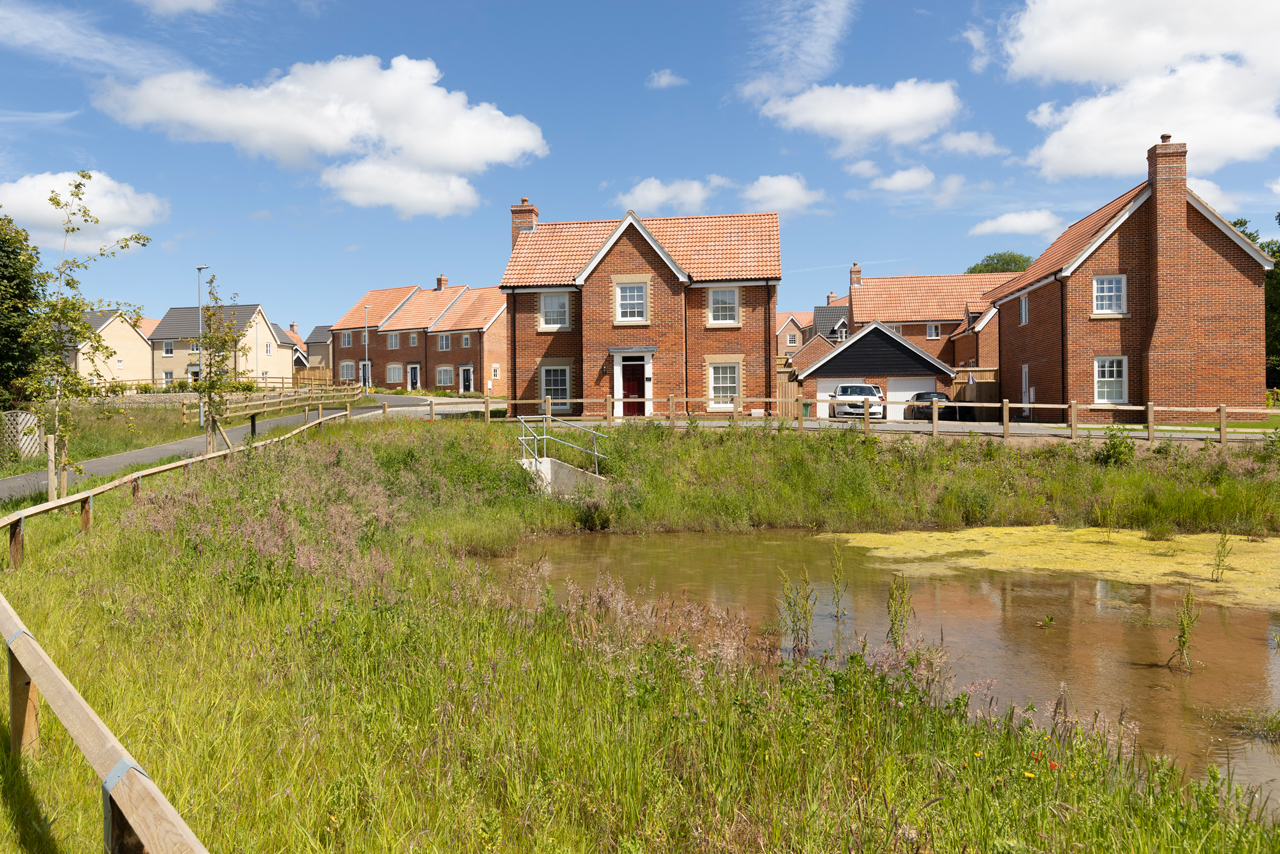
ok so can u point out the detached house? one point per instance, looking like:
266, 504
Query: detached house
794, 329
130, 360
641, 308
175, 346
1154, 297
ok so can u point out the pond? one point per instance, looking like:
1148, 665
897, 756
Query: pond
1108, 642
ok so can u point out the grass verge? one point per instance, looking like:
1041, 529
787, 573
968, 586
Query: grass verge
296, 648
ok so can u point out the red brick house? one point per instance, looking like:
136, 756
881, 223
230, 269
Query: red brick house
641, 308
405, 348
1154, 297
794, 329
467, 345
977, 343
355, 336
928, 311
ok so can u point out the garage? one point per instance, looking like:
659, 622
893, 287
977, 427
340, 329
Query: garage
901, 389
875, 354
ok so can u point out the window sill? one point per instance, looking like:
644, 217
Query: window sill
724, 325
1097, 402
720, 407
555, 328
1110, 315
630, 322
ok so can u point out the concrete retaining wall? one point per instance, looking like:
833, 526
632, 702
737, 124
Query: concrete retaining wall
560, 478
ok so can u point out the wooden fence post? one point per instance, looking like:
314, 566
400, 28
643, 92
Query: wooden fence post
735, 410
86, 514
1004, 416
608, 410
799, 413
486, 409
24, 701
184, 413
866, 417
53, 468
546, 422
671, 410
348, 412
1151, 421
384, 409
17, 536
1222, 424
431, 409
1073, 417
935, 418
137, 487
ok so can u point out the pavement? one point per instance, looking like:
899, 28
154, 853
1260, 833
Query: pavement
35, 482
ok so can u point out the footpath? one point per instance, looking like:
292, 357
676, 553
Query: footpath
35, 482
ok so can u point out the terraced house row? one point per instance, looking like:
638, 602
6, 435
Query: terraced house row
450, 338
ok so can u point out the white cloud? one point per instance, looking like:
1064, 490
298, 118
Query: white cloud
664, 79
174, 7
977, 40
797, 44
1043, 221
859, 117
782, 193
1204, 72
1218, 198
652, 195
1274, 186
863, 169
121, 210
971, 142
949, 189
398, 139
71, 38
905, 180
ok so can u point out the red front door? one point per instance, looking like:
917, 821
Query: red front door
632, 387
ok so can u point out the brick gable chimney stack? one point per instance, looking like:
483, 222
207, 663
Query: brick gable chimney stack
1171, 329
524, 217
442, 282
831, 298
855, 281
293, 327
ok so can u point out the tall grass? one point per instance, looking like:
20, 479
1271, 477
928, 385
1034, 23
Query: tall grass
295, 646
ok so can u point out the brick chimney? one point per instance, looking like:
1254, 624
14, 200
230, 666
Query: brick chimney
1172, 327
442, 282
524, 217
831, 298
293, 327
855, 276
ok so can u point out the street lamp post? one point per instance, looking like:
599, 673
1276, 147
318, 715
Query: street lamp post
200, 329
366, 380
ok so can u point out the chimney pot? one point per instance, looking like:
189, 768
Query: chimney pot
524, 200
1165, 137
441, 282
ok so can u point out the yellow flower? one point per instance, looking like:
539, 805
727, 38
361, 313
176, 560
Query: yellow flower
1028, 775
979, 753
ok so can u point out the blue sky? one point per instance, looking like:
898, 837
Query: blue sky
309, 150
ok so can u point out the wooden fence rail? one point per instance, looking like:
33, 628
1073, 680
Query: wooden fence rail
136, 816
280, 401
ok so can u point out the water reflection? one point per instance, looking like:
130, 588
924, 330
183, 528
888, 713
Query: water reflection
1108, 642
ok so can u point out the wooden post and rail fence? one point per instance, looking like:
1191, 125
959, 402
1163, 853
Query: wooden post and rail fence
268, 402
136, 816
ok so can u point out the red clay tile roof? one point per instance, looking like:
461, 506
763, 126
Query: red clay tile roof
1069, 244
473, 310
381, 303
147, 325
803, 318
810, 353
897, 299
708, 248
295, 338
422, 309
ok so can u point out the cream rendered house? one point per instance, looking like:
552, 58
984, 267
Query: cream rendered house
175, 351
131, 361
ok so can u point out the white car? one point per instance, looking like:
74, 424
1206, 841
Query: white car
848, 401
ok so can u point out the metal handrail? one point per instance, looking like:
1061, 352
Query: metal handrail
528, 423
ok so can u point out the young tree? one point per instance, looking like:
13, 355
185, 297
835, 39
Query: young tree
58, 324
19, 293
219, 345
1002, 262
1272, 298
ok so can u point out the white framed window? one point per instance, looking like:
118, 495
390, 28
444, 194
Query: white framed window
1111, 379
119, 364
168, 378
466, 341
633, 302
393, 340
895, 328
194, 346
364, 336
497, 369
413, 339
395, 373
268, 348
168, 348
1109, 294
723, 304
555, 311
264, 375
347, 370
444, 342
444, 375
555, 385
724, 384
346, 339
1024, 311
791, 339
933, 331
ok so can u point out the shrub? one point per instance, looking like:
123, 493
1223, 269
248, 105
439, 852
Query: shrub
1117, 449
146, 388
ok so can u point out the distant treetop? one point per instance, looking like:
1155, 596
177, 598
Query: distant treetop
1002, 262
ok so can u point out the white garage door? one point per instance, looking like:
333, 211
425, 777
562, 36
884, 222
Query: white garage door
826, 388
901, 388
